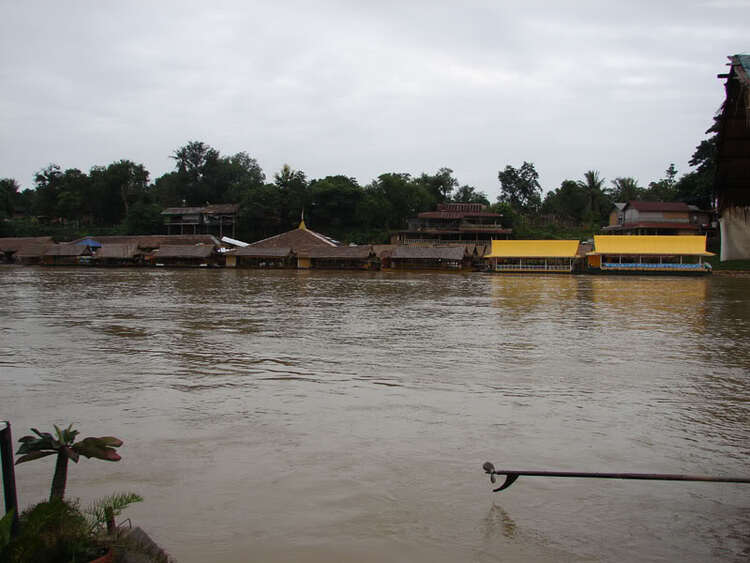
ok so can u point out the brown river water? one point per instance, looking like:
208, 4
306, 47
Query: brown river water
327, 416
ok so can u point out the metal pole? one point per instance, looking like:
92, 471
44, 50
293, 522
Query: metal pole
512, 474
9, 475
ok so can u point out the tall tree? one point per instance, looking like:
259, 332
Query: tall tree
469, 194
8, 196
625, 189
292, 186
567, 203
596, 204
197, 164
519, 187
440, 185
333, 205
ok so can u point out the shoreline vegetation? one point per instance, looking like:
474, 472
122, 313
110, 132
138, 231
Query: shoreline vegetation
120, 198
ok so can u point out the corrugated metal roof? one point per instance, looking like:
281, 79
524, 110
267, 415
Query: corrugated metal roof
693, 245
533, 249
429, 252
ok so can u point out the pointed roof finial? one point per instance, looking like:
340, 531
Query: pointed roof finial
302, 225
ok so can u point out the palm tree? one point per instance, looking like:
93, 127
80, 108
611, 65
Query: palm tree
625, 189
65, 446
592, 187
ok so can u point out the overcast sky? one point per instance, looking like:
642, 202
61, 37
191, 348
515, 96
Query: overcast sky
363, 88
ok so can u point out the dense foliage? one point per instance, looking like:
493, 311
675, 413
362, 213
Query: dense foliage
119, 198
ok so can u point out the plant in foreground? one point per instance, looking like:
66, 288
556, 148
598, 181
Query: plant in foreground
63, 444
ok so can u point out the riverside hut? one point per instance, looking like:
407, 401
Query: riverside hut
430, 258
537, 256
258, 257
67, 255
23, 250
300, 240
202, 255
117, 255
340, 258
649, 254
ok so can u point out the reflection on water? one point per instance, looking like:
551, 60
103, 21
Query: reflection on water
316, 415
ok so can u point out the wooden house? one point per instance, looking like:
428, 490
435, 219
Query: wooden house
24, 250
732, 180
217, 219
458, 223
430, 258
67, 254
339, 258
653, 218
202, 255
536, 256
118, 255
649, 254
259, 257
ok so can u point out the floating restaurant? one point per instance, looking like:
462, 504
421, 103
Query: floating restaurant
649, 254
533, 256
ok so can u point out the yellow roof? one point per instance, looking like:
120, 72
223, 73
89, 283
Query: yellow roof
651, 244
533, 249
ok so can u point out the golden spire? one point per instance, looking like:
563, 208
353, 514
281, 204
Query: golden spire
302, 225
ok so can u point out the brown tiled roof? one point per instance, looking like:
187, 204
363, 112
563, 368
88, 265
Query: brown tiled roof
259, 252
658, 205
429, 252
184, 251
339, 252
299, 240
14, 244
116, 251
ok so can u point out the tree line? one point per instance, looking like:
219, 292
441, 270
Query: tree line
120, 198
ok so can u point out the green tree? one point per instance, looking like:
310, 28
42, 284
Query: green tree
8, 197
144, 218
597, 204
439, 185
469, 194
259, 213
567, 203
663, 189
293, 191
519, 187
239, 173
48, 185
333, 205
197, 166
625, 189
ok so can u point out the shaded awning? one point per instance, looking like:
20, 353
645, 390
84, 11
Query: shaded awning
686, 245
533, 249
